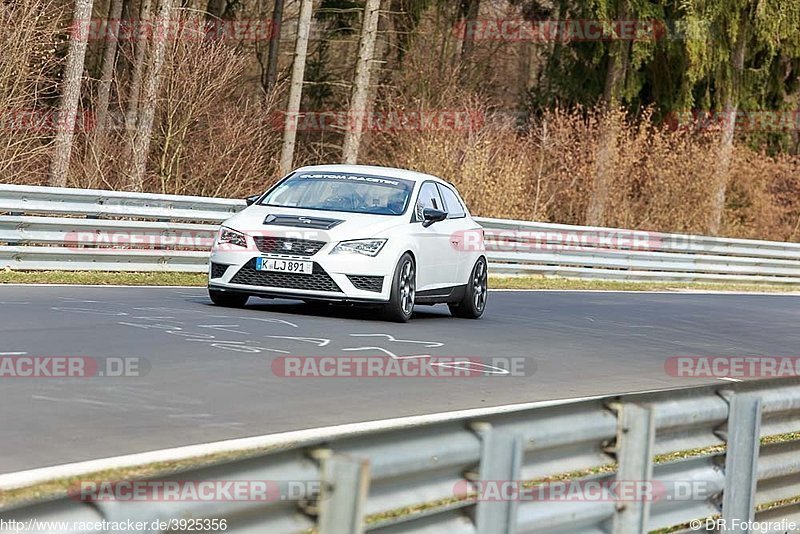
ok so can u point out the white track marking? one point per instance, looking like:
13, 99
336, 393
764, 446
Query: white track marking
729, 379
463, 364
90, 311
467, 365
318, 341
262, 319
223, 328
428, 344
390, 353
13, 353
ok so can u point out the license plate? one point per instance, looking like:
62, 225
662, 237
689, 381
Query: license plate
284, 266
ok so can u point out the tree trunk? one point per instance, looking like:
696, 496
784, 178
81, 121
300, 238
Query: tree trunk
70, 93
469, 11
215, 9
296, 89
271, 76
618, 59
107, 72
359, 100
140, 146
528, 68
731, 106
140, 52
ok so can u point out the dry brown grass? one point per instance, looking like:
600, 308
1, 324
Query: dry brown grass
660, 178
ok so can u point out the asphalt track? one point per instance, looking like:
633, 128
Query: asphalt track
210, 375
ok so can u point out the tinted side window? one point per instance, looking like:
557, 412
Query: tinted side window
453, 206
428, 198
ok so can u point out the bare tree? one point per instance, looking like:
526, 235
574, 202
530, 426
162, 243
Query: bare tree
271, 76
70, 93
469, 10
296, 88
139, 54
359, 100
107, 70
140, 145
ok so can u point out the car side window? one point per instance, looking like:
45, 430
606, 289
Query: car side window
428, 198
453, 206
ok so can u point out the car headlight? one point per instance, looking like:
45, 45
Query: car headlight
232, 237
368, 247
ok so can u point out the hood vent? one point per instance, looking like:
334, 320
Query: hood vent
317, 223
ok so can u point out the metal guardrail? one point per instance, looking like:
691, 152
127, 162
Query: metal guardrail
411, 479
43, 227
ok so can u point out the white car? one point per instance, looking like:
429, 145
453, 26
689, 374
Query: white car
357, 234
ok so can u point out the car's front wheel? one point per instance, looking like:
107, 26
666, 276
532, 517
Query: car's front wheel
226, 299
404, 291
473, 303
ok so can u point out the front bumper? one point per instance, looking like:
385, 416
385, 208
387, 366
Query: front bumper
350, 278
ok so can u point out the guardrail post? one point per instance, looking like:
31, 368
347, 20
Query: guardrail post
741, 461
345, 485
634, 451
501, 461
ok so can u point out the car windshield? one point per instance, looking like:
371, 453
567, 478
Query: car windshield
355, 193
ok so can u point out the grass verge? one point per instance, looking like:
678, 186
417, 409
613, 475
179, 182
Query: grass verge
61, 486
101, 278
495, 282
541, 282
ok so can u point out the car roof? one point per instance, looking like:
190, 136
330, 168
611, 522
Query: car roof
389, 172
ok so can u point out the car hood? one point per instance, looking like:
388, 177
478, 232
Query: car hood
317, 225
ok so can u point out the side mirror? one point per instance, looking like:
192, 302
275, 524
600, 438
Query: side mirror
252, 200
430, 216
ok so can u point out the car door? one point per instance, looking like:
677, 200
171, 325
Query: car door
461, 242
436, 258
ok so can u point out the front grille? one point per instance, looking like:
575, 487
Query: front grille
288, 245
367, 283
218, 270
319, 280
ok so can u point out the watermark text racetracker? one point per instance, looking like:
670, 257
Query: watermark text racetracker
577, 240
597, 490
418, 366
32, 366
732, 367
217, 490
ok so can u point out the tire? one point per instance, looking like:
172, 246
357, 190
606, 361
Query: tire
226, 299
473, 303
404, 289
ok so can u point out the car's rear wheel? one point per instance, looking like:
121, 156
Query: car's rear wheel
473, 303
227, 299
404, 291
